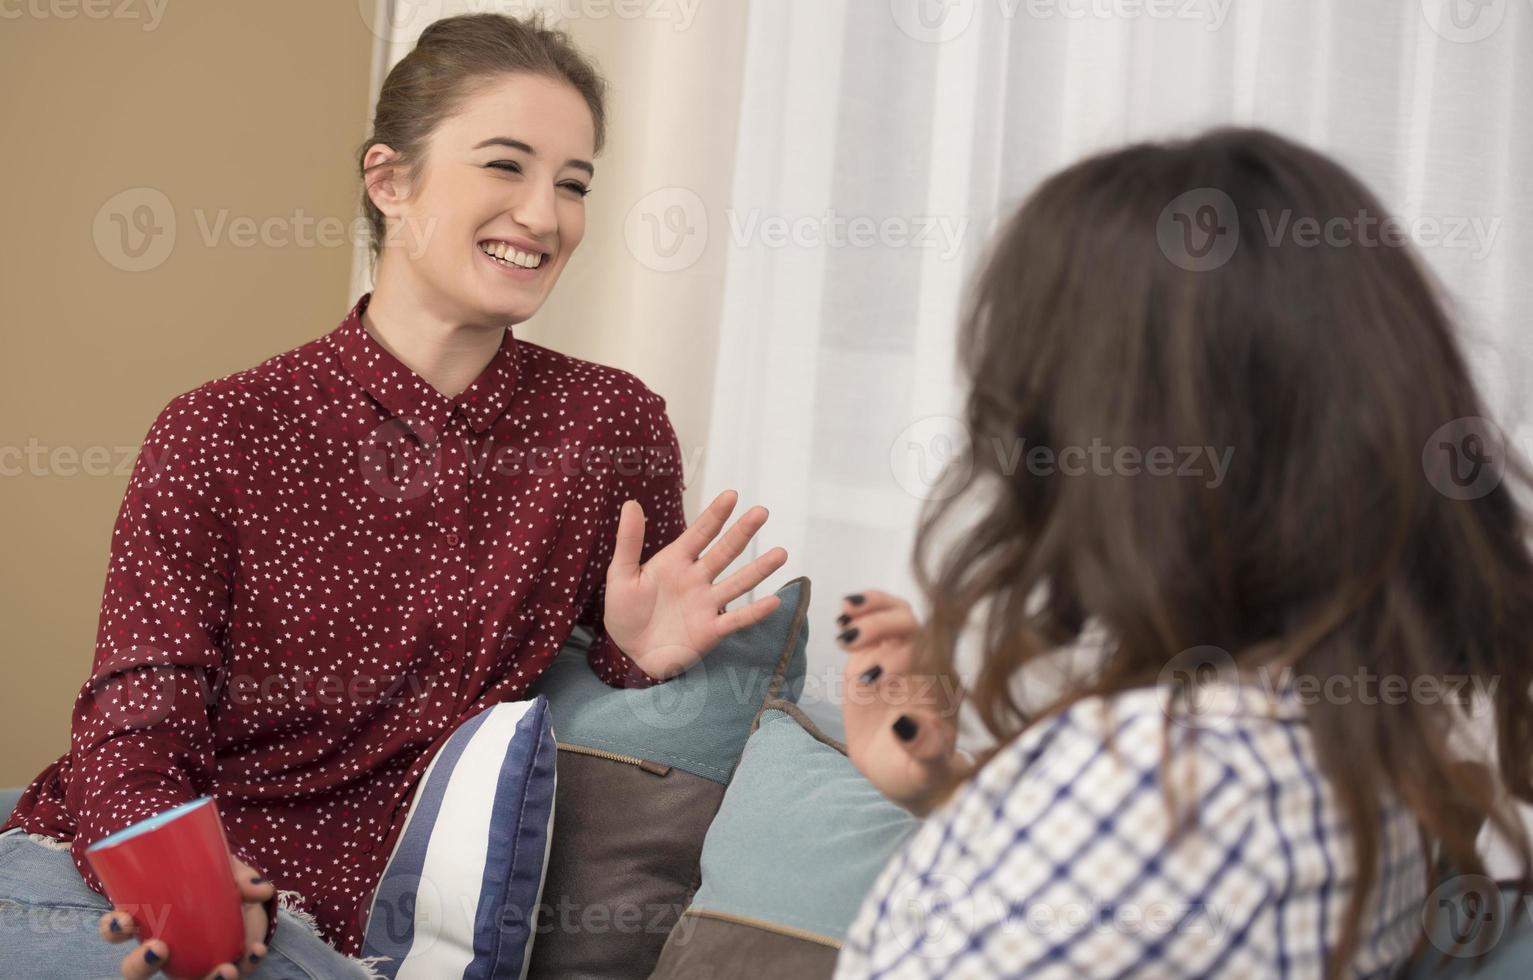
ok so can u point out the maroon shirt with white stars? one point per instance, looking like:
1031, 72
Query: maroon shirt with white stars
321, 566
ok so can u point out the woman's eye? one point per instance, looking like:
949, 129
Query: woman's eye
576, 186
510, 165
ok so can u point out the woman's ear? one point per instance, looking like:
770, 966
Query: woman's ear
385, 185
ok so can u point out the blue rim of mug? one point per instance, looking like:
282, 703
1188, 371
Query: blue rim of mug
149, 823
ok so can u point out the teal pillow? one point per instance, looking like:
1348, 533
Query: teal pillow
697, 722
799, 840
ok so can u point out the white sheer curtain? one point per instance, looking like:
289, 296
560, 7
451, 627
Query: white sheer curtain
931, 119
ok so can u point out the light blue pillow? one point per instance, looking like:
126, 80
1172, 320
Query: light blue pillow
460, 893
801, 835
697, 722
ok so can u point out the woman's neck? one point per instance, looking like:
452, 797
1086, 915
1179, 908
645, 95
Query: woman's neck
447, 353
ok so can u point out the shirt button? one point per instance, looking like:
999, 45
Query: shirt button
452, 539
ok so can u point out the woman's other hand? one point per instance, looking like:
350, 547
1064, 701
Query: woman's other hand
901, 728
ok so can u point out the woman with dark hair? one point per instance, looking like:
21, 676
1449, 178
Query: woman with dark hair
323, 564
1264, 767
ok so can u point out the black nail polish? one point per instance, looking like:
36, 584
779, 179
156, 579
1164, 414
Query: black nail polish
255, 957
870, 675
258, 881
857, 599
116, 926
848, 636
904, 728
150, 956
843, 619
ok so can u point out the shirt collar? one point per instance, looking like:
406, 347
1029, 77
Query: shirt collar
409, 397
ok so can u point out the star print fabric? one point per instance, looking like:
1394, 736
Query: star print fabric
322, 565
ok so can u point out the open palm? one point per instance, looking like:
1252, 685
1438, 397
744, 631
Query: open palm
667, 613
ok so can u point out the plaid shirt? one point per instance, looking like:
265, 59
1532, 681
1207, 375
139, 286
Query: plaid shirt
1056, 860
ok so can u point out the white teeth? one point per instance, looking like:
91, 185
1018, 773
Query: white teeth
504, 253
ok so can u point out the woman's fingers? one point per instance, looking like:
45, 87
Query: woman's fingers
733, 544
871, 629
253, 957
253, 887
145, 961
748, 615
748, 577
117, 926
926, 735
629, 547
868, 601
701, 532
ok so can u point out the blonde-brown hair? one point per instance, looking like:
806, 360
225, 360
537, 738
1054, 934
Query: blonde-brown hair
453, 58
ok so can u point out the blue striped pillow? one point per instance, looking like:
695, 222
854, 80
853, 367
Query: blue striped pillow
460, 893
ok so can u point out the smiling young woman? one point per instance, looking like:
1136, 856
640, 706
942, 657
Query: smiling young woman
416, 509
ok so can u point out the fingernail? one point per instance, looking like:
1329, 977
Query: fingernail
870, 675
116, 926
905, 728
255, 957
848, 636
258, 881
843, 619
857, 599
150, 956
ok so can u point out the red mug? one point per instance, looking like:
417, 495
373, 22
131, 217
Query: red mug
171, 872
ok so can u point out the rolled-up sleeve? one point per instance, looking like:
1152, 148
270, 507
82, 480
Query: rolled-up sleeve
141, 741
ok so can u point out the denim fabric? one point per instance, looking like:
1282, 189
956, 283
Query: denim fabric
48, 926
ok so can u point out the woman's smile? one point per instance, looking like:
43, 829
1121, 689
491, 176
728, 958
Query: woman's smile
518, 261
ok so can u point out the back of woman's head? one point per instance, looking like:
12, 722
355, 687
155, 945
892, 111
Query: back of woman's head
1216, 403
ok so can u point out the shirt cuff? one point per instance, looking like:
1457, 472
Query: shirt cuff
613, 666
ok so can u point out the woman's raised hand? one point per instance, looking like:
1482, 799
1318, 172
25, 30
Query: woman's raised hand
901, 727
667, 613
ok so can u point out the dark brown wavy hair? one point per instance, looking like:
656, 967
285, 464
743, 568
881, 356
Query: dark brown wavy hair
1111, 309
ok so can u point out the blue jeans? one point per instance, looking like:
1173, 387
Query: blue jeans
49, 926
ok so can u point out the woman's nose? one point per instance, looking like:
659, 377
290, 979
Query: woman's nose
534, 211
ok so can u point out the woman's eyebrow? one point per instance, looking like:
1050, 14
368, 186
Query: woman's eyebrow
519, 145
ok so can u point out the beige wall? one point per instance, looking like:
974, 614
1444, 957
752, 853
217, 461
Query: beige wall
252, 111
248, 108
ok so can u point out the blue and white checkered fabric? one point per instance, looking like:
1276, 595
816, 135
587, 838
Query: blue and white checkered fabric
1057, 861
